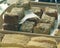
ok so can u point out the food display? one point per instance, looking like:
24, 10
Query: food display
42, 28
27, 26
51, 12
37, 10
48, 19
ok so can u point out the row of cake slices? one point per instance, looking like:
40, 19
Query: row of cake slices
24, 41
43, 25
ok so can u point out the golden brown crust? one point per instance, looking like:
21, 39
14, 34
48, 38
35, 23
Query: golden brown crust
15, 40
44, 39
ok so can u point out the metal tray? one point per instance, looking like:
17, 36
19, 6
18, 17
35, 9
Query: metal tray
36, 4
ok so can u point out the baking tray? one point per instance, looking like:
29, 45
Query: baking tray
36, 4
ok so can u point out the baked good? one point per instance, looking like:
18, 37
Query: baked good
48, 19
15, 40
57, 32
11, 19
27, 26
38, 42
51, 12
13, 27
42, 28
14, 16
44, 39
37, 10
19, 11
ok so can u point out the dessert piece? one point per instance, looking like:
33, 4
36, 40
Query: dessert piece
42, 28
14, 16
51, 12
19, 11
11, 19
15, 40
44, 39
48, 19
57, 32
37, 43
13, 27
37, 10
27, 26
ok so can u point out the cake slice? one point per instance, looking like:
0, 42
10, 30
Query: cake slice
27, 26
12, 27
51, 12
48, 19
14, 40
14, 16
42, 28
38, 42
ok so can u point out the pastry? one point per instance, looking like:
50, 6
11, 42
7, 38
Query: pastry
42, 28
48, 19
10, 19
38, 42
14, 16
12, 27
51, 12
27, 26
19, 11
14, 40
44, 39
